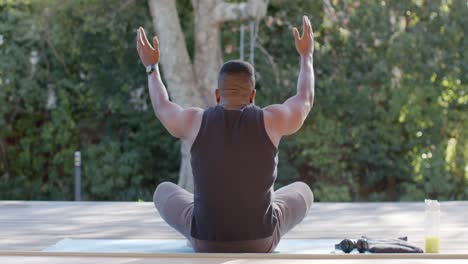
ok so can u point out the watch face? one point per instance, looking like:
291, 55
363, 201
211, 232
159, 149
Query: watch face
149, 68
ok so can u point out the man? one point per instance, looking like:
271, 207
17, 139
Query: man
234, 148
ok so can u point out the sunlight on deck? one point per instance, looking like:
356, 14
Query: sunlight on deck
33, 226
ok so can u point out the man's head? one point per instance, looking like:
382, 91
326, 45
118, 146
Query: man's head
236, 83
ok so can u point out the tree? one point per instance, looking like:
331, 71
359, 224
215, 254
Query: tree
192, 83
389, 121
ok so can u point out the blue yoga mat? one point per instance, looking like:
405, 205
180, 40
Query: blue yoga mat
286, 246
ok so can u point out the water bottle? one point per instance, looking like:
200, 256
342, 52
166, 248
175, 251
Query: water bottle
432, 227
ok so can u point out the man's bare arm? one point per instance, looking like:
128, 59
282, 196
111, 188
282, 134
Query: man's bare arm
291, 114
287, 118
178, 121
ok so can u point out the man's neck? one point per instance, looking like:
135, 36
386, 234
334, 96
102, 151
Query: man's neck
233, 105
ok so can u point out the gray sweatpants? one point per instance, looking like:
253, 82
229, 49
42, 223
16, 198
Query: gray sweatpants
291, 203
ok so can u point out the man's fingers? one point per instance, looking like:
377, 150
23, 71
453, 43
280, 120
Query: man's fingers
309, 27
140, 37
144, 38
296, 34
139, 44
304, 25
155, 43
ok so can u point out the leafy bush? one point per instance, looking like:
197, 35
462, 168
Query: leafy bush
389, 120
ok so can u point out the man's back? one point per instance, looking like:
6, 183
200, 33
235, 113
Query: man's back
233, 157
234, 168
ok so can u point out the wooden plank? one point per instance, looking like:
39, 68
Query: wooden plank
34, 225
235, 255
78, 260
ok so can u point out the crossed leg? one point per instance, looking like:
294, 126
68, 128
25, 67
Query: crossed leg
292, 203
175, 205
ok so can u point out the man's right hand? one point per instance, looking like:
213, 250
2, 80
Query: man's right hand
304, 44
148, 55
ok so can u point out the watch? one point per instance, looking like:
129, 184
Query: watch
150, 68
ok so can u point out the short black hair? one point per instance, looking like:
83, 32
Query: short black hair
236, 67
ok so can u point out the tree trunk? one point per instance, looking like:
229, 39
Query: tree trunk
194, 84
178, 72
207, 47
4, 160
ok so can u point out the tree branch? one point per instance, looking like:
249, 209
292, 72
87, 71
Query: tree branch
194, 4
175, 61
241, 11
49, 42
272, 62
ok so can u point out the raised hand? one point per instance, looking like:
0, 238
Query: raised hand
304, 44
148, 55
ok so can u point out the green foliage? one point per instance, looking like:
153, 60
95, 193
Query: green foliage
85, 92
389, 120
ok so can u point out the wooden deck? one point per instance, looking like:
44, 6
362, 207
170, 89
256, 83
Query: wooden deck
33, 226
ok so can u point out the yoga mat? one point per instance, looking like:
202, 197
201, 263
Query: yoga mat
286, 246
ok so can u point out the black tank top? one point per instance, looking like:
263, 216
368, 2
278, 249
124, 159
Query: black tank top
234, 168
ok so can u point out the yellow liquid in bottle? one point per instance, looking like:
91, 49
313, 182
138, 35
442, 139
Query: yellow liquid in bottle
432, 244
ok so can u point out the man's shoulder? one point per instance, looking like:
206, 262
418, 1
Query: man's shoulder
273, 112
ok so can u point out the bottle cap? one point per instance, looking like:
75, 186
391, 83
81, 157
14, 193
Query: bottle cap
432, 205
